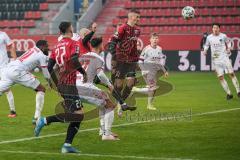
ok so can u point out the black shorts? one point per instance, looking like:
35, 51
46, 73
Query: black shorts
71, 98
125, 69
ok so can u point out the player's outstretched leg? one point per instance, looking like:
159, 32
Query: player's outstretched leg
225, 87
10, 99
40, 93
235, 83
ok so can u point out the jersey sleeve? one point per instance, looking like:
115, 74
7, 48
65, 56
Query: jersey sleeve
207, 44
143, 55
99, 64
7, 40
120, 32
44, 65
227, 41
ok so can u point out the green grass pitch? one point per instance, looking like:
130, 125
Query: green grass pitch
206, 135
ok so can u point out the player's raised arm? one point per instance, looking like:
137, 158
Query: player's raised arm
10, 46
206, 46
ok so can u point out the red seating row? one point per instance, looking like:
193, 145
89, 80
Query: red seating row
177, 12
180, 29
182, 3
43, 6
17, 24
16, 31
181, 21
33, 15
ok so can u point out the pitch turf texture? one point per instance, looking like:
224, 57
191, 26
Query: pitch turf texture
187, 126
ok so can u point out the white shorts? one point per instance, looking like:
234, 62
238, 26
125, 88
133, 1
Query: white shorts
15, 75
150, 73
89, 93
224, 66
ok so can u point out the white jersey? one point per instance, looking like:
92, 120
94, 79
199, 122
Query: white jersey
31, 59
75, 37
4, 42
218, 46
152, 55
93, 64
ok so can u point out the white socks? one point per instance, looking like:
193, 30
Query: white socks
236, 84
39, 104
150, 99
141, 90
102, 123
10, 99
225, 86
108, 120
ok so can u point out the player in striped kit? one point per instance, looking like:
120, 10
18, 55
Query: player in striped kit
220, 51
18, 72
151, 62
5, 42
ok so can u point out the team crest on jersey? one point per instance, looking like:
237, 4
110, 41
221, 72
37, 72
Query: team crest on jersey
137, 32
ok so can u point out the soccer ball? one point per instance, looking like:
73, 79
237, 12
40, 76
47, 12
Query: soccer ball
188, 12
36, 70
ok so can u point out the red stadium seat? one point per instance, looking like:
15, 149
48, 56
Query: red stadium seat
156, 29
230, 3
224, 28
153, 21
208, 20
219, 3
146, 30
43, 6
175, 29
228, 20
200, 3
204, 11
218, 19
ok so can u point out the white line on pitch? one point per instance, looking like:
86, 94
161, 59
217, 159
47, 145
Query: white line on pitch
119, 125
94, 155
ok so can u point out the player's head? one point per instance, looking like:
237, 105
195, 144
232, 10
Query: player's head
154, 39
134, 17
66, 28
216, 28
83, 32
43, 46
97, 44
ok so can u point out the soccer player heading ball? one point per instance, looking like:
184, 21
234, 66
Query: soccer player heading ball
220, 51
126, 54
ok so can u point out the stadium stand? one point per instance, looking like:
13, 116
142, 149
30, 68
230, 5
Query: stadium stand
19, 16
164, 16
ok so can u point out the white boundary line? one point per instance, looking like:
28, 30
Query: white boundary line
93, 155
115, 126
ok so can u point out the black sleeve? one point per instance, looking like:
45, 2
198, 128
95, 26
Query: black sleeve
87, 38
76, 63
51, 64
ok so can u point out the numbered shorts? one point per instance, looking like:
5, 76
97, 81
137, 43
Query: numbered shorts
72, 101
124, 70
15, 75
89, 93
222, 67
151, 73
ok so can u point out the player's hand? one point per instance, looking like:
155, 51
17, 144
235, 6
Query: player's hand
85, 78
166, 74
228, 51
94, 27
204, 52
111, 88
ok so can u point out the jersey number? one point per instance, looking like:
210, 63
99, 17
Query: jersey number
61, 52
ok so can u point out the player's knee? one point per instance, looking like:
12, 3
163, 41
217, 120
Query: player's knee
232, 75
221, 78
40, 88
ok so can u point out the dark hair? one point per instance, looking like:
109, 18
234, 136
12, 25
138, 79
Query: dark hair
41, 43
154, 34
134, 11
216, 24
95, 42
64, 26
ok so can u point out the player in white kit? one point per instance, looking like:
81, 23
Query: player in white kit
151, 62
93, 64
5, 42
18, 72
220, 51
